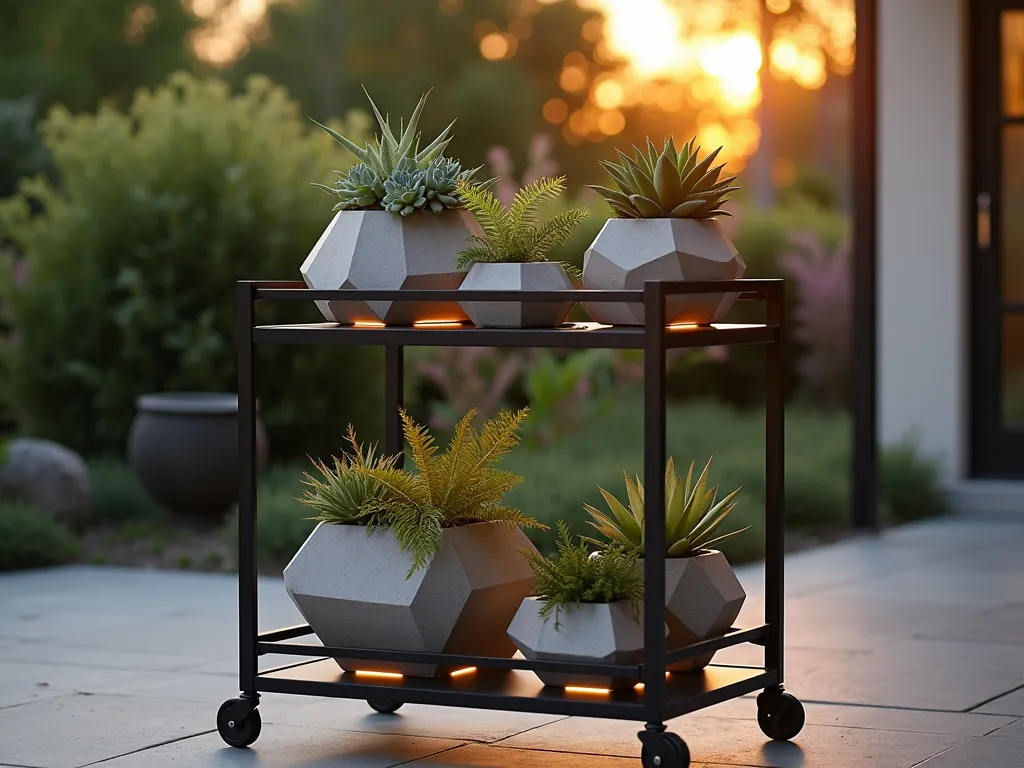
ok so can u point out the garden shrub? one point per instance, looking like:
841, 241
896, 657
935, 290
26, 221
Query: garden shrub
117, 494
31, 538
910, 483
134, 257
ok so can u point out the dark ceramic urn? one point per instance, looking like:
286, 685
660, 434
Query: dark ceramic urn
184, 448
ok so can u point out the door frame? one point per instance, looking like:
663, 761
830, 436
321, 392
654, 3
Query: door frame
995, 451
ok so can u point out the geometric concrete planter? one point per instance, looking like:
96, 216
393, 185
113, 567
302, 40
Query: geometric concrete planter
534, 276
385, 251
703, 597
600, 633
351, 589
628, 252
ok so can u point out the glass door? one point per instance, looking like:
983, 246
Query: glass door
997, 332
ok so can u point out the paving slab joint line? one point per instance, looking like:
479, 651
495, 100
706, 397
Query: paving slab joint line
993, 698
527, 730
150, 746
425, 757
893, 706
947, 749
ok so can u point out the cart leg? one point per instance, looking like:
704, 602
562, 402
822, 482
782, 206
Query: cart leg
662, 749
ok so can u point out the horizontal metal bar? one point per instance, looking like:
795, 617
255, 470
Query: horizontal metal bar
578, 336
285, 633
676, 706
555, 704
449, 659
1012, 307
727, 640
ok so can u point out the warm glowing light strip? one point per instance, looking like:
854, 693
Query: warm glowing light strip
674, 326
437, 323
371, 673
368, 324
460, 672
582, 689
640, 686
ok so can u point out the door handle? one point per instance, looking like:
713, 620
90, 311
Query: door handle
984, 226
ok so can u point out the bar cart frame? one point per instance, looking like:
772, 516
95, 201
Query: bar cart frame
506, 683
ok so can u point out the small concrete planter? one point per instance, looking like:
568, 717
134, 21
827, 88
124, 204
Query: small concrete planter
600, 633
703, 597
184, 448
628, 252
352, 590
385, 251
535, 276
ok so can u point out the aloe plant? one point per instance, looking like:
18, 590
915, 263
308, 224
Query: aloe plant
693, 514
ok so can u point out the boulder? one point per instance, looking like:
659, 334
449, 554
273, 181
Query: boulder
47, 474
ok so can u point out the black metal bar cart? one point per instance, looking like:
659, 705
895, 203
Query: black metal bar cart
508, 683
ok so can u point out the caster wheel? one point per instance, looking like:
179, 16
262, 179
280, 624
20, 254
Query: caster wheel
238, 733
674, 753
384, 707
780, 715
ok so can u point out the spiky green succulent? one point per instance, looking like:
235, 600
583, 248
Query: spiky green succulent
405, 191
361, 187
386, 174
667, 184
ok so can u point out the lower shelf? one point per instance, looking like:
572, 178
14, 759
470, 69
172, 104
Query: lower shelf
518, 691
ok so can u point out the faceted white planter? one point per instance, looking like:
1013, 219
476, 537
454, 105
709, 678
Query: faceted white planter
385, 251
600, 633
703, 597
628, 252
536, 276
351, 589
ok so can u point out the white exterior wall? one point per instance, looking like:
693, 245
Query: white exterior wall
922, 297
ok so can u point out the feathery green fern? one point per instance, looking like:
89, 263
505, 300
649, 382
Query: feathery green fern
459, 486
576, 576
513, 234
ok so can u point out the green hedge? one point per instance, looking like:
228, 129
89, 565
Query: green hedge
31, 538
135, 255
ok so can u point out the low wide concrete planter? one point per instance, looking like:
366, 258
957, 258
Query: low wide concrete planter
600, 633
536, 276
184, 448
703, 597
629, 252
351, 589
385, 251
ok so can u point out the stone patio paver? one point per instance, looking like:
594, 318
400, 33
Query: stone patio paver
907, 649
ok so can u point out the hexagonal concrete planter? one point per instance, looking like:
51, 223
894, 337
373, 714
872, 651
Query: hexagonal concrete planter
385, 251
629, 252
351, 589
536, 276
600, 633
703, 597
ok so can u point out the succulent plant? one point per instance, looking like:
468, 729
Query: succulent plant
667, 184
405, 191
361, 187
692, 515
442, 179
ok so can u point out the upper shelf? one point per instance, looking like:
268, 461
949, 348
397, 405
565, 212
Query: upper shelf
569, 335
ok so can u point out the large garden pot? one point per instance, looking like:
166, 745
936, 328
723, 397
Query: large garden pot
385, 251
599, 633
536, 276
629, 252
184, 448
703, 597
351, 588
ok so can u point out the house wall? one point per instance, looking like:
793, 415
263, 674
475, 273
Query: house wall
922, 360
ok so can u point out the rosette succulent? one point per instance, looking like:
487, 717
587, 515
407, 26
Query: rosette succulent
394, 173
405, 191
667, 184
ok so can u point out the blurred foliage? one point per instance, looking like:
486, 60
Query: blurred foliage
133, 262
79, 52
117, 494
31, 538
323, 51
910, 483
21, 151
